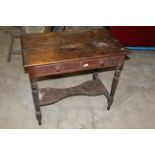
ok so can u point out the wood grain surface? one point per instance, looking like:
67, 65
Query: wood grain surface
54, 47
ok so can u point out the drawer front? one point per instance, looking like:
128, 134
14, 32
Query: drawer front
91, 64
53, 69
102, 63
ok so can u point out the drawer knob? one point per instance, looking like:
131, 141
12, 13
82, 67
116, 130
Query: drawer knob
58, 69
102, 63
85, 65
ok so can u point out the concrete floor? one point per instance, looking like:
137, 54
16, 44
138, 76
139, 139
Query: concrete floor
134, 104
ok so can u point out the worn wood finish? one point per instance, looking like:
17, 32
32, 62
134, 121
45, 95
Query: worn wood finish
68, 46
77, 65
66, 52
16, 32
88, 88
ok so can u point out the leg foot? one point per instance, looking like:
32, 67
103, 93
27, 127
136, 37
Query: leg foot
110, 102
39, 117
95, 76
108, 108
39, 122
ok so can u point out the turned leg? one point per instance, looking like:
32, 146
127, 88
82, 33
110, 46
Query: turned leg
36, 100
10, 49
113, 87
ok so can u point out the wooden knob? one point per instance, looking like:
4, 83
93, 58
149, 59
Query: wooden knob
85, 65
57, 68
102, 63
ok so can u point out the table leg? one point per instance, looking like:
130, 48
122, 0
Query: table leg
114, 87
36, 100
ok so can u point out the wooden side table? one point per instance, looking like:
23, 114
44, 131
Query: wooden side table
64, 52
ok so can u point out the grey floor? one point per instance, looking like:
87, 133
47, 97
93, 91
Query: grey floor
134, 104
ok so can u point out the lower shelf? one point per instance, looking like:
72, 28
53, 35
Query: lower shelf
89, 88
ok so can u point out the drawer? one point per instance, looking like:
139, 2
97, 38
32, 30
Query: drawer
102, 62
93, 63
45, 70
79, 65
52, 69
70, 66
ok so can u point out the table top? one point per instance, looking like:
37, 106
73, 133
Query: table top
54, 47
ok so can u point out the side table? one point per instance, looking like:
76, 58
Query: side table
65, 52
